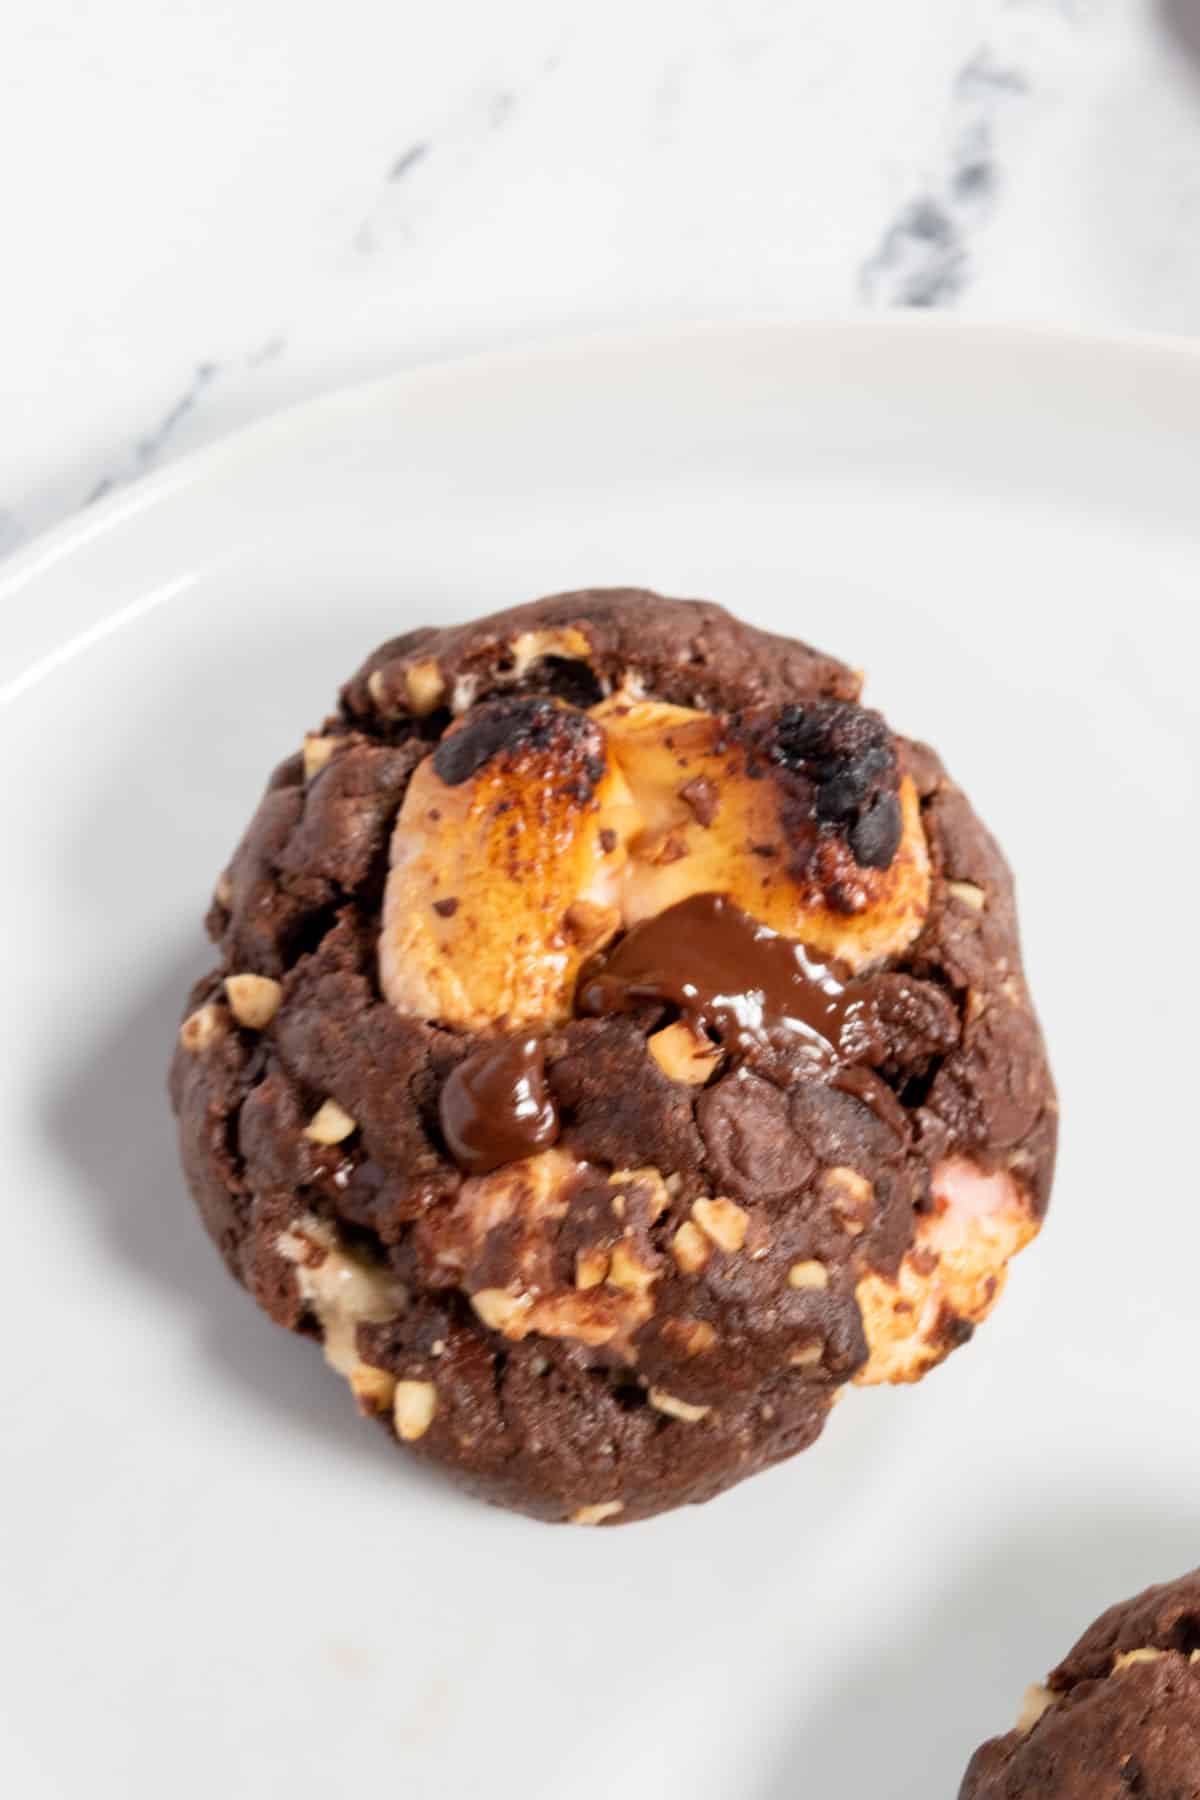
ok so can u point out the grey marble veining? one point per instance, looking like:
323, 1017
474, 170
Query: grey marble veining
255, 228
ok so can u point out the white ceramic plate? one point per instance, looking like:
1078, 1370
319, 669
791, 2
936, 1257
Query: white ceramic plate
216, 1580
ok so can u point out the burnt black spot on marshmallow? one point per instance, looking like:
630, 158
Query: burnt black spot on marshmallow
849, 756
518, 725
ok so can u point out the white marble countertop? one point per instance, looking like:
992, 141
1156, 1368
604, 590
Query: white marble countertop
214, 209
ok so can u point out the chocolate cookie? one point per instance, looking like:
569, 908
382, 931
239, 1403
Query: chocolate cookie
1118, 1718
618, 1044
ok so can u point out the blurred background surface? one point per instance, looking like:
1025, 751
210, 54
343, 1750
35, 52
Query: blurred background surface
216, 207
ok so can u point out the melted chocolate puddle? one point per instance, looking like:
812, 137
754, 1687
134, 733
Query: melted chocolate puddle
737, 979
495, 1106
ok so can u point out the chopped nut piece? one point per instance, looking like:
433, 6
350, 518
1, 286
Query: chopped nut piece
317, 752
200, 1029
308, 1243
344, 1288
968, 893
529, 647
597, 1513
253, 999
373, 1388
810, 1274
851, 1196
693, 1336
1038, 1700
723, 1222
462, 698
807, 1357
591, 1268
676, 1408
689, 1247
223, 893
413, 1409
659, 1197
627, 1273
1129, 1658
424, 687
590, 925
682, 1056
330, 1124
376, 688
500, 1310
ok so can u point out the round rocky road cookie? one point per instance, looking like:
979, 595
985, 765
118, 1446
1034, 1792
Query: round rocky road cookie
1118, 1718
618, 1044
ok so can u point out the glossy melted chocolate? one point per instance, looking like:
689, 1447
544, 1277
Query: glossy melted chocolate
495, 1106
736, 979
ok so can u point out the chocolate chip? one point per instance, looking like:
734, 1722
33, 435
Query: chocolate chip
752, 1148
446, 908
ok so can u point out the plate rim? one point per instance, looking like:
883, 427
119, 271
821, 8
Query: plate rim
104, 518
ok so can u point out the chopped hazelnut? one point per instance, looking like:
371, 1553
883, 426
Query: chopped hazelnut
373, 1388
723, 1222
693, 1336
851, 1195
1130, 1658
598, 1512
968, 893
1038, 1700
317, 752
424, 687
656, 1191
200, 1029
682, 1056
807, 1357
330, 1124
591, 1267
413, 1409
590, 925
376, 687
810, 1274
223, 893
689, 1247
627, 1273
253, 999
500, 1310
529, 647
676, 1408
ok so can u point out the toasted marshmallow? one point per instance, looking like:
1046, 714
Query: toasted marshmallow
610, 1291
708, 826
536, 832
504, 880
954, 1273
